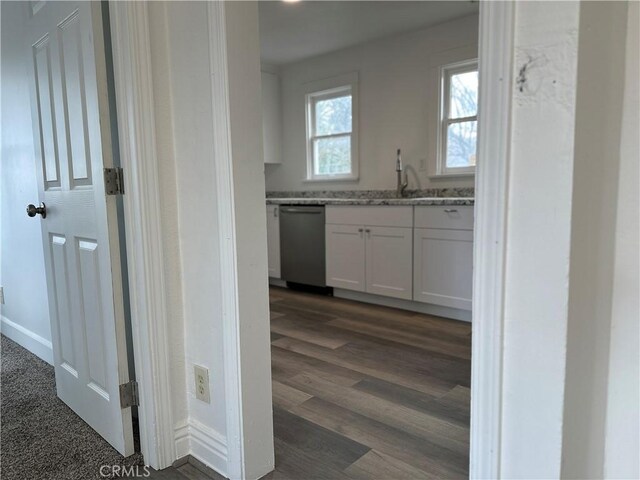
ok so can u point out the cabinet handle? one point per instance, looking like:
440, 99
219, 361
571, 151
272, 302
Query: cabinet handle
360, 230
367, 230
275, 212
451, 210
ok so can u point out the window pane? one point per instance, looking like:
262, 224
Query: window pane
461, 144
464, 95
333, 115
332, 156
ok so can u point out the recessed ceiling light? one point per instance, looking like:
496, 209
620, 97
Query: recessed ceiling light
290, 1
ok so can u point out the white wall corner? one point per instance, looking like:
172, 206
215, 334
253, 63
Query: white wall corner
33, 342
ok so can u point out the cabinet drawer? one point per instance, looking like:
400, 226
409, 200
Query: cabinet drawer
376, 216
453, 217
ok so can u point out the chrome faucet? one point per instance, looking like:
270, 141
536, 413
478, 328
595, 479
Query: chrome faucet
401, 186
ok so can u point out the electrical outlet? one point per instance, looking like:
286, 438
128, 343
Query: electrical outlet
1, 295
202, 383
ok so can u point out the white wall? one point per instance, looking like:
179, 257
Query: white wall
623, 394
187, 166
538, 239
398, 94
600, 84
25, 314
182, 92
198, 224
571, 311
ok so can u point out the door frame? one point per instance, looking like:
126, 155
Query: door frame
133, 84
495, 55
149, 313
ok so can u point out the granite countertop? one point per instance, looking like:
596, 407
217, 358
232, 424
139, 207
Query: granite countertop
372, 201
433, 196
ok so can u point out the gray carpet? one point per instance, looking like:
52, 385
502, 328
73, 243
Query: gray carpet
41, 438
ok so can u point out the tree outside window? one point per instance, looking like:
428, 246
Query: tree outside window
459, 124
330, 134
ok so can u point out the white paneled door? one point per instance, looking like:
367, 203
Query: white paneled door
65, 54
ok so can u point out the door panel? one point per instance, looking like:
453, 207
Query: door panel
345, 257
444, 267
66, 57
389, 261
45, 110
65, 329
74, 92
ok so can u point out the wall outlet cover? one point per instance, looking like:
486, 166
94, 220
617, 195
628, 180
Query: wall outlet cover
201, 375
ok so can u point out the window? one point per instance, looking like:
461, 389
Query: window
459, 119
331, 135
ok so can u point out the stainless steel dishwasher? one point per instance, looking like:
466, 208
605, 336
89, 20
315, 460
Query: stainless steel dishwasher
302, 252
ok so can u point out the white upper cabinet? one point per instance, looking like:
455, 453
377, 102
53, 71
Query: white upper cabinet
271, 118
273, 240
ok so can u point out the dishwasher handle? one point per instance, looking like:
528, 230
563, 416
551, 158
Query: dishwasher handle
300, 210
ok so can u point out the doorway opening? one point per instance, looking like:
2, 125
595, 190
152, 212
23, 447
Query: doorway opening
369, 138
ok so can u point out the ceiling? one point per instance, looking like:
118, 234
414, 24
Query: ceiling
293, 31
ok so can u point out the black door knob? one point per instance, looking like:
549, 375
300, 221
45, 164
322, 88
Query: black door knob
32, 210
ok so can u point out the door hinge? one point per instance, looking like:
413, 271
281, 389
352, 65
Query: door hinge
113, 181
129, 394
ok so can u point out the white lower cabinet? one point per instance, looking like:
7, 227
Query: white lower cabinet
423, 254
373, 257
388, 261
345, 258
273, 240
443, 267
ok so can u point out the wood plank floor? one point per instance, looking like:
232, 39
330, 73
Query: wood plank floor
367, 392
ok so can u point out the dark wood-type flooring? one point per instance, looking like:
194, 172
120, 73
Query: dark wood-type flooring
367, 392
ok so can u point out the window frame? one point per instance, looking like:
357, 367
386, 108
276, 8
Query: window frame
444, 121
325, 90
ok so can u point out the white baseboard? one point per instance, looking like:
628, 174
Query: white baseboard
428, 308
447, 312
202, 443
24, 337
181, 438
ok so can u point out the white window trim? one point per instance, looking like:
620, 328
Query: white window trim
331, 88
446, 72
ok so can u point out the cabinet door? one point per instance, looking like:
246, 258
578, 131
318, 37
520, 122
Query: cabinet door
345, 256
389, 255
443, 263
273, 240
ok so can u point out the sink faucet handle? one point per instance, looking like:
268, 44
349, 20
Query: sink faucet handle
399, 162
